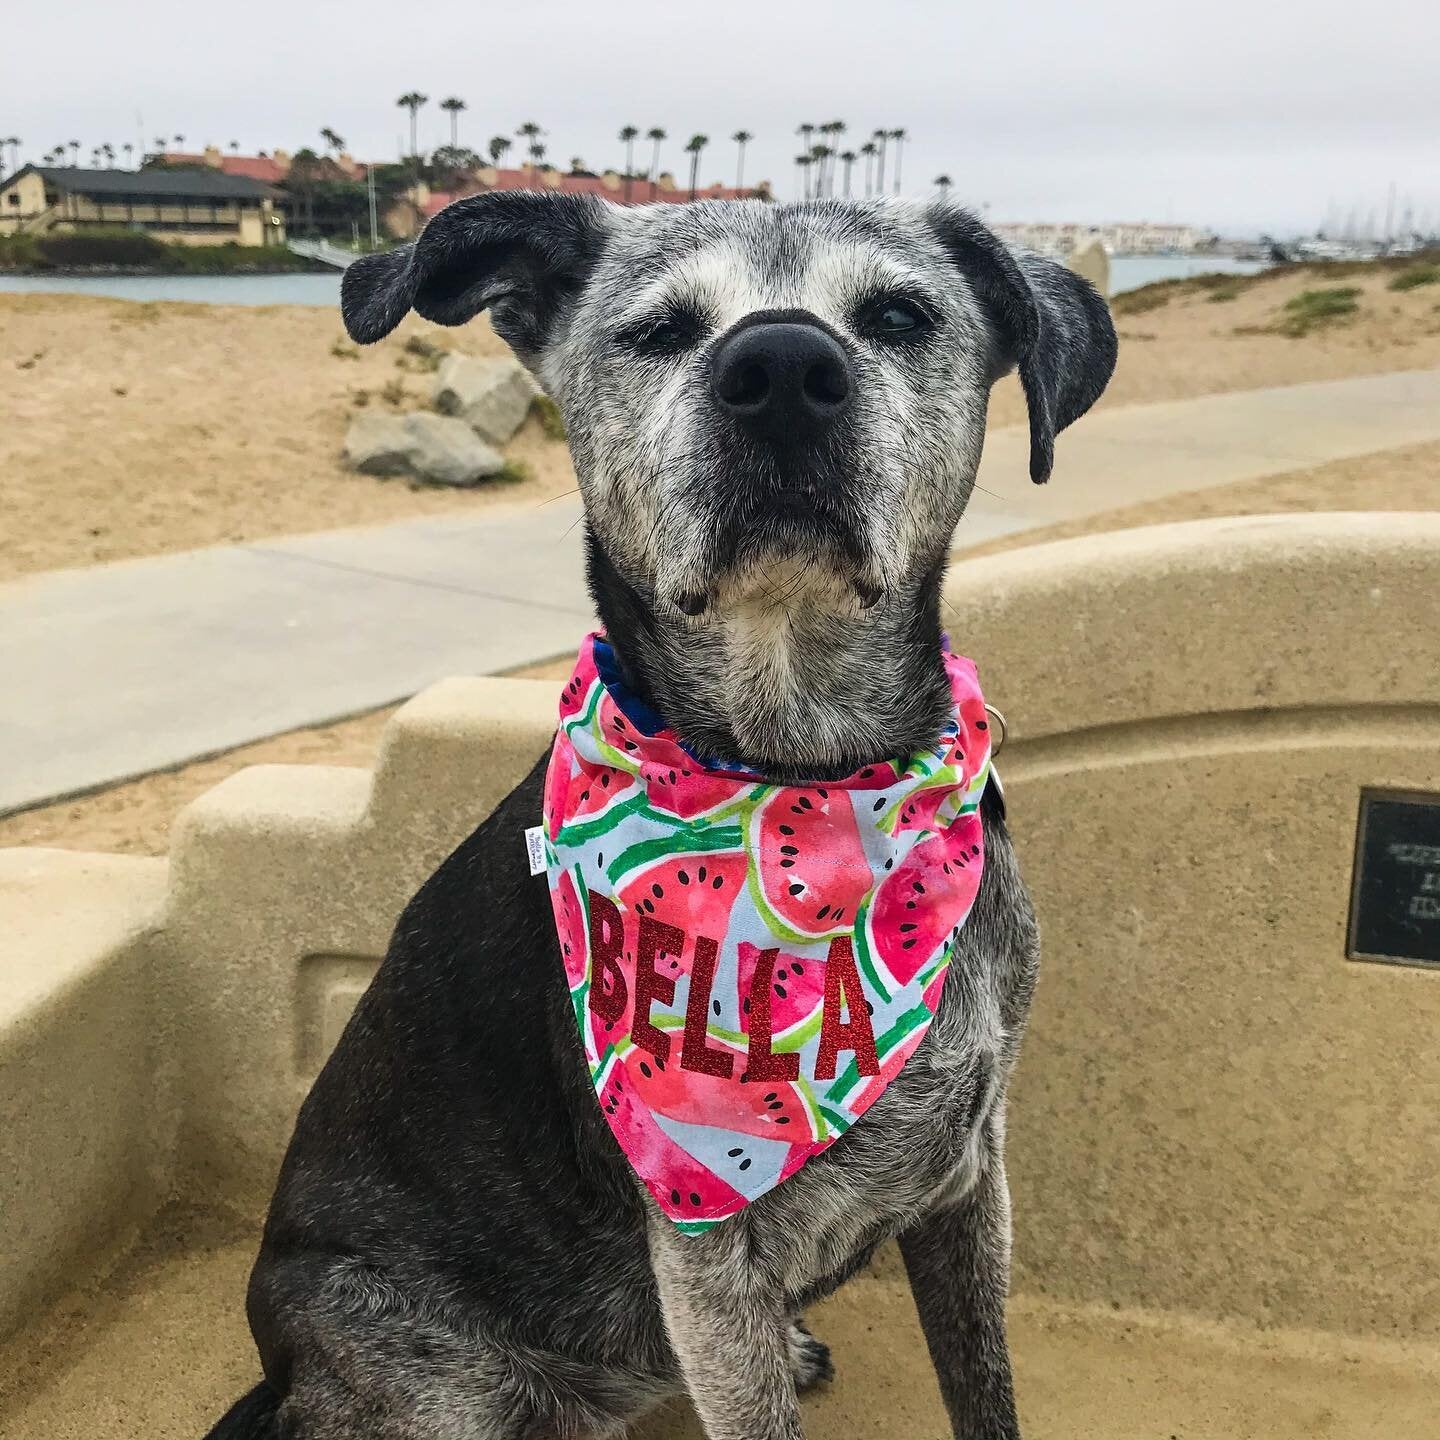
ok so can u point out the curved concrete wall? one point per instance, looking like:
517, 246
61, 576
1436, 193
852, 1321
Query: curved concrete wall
1216, 1111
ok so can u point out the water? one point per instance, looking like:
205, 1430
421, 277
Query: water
1127, 272
1130, 272
202, 289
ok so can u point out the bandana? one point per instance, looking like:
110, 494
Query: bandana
750, 963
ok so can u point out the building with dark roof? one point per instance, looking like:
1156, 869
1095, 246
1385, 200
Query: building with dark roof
190, 207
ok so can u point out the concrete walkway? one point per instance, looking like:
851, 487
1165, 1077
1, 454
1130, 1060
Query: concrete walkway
117, 670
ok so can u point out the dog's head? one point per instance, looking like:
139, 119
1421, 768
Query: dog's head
776, 414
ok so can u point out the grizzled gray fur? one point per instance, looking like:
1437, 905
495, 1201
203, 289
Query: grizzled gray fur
776, 414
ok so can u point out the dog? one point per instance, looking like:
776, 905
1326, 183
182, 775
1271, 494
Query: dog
776, 414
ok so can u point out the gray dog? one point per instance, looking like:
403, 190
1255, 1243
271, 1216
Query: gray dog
776, 414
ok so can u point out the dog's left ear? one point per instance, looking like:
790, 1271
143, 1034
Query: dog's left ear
1047, 321
522, 254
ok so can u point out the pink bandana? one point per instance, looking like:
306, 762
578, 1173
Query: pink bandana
750, 964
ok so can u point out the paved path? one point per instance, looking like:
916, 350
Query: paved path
121, 669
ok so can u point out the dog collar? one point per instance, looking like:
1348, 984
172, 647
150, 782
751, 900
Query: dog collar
750, 964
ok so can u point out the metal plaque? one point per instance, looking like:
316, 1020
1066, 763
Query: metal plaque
1395, 896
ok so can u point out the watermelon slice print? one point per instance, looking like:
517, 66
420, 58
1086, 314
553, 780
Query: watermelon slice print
772, 1110
683, 1187
922, 903
797, 991
693, 892
810, 872
572, 927
595, 790
686, 791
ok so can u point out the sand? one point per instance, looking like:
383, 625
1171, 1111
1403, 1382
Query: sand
142, 428
158, 1348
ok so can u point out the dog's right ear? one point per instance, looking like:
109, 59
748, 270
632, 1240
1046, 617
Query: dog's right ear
520, 253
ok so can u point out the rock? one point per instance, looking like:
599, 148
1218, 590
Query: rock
378, 445
491, 396
436, 448
1090, 262
449, 452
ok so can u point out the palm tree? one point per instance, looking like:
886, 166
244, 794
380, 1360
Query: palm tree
869, 150
693, 146
160, 143
331, 139
803, 164
234, 147
179, 140
577, 165
74, 153
107, 152
880, 137
453, 105
741, 138
806, 132
530, 131
820, 154
497, 147
943, 184
899, 137
412, 100
834, 129
849, 157
537, 154
129, 150
656, 135
627, 138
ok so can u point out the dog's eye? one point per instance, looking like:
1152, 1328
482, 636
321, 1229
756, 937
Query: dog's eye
894, 319
670, 333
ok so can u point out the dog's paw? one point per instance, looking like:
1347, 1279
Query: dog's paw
810, 1362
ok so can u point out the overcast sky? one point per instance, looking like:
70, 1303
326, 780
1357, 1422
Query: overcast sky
1241, 116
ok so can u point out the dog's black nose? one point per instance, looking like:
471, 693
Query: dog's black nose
777, 377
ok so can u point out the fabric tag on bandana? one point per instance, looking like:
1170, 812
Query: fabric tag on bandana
750, 964
535, 848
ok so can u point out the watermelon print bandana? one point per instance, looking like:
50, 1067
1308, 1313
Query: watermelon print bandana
750, 963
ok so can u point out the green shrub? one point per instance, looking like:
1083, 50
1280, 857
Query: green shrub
547, 412
1415, 277
100, 247
1317, 309
1221, 293
1138, 302
513, 472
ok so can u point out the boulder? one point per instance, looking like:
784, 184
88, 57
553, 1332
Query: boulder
436, 448
378, 444
1090, 262
491, 396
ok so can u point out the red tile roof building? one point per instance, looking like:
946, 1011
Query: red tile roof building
608, 186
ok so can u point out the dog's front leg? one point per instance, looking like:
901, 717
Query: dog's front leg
729, 1330
958, 1261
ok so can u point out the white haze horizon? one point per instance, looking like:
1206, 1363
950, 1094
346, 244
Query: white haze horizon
1238, 118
